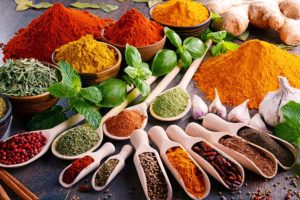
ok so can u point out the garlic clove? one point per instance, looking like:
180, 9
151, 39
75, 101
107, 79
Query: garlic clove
240, 113
216, 106
257, 122
199, 108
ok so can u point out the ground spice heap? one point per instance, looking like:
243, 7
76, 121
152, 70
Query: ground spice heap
135, 29
87, 55
105, 171
189, 172
3, 107
123, 124
180, 13
56, 27
248, 73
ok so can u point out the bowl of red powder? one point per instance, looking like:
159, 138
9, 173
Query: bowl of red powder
137, 30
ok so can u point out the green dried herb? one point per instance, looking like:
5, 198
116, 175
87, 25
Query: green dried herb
26, 77
26, 4
103, 6
105, 171
77, 140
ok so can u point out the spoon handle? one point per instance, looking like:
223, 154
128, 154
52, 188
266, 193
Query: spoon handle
196, 130
215, 123
176, 134
126, 151
107, 149
139, 139
158, 136
193, 68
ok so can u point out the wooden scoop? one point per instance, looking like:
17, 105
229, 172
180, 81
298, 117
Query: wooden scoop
215, 123
196, 130
176, 134
159, 137
140, 141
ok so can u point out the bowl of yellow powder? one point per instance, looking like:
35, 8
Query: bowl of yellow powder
187, 18
5, 114
95, 61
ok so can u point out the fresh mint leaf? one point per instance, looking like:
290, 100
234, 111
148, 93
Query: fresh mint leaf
194, 46
62, 90
164, 61
143, 87
92, 94
286, 132
291, 113
132, 56
173, 37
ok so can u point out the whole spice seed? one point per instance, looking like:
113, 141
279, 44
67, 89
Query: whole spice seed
156, 184
227, 170
77, 140
261, 160
3, 107
105, 171
76, 167
26, 77
263, 140
21, 147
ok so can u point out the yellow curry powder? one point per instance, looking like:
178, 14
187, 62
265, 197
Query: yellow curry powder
87, 55
180, 13
248, 73
189, 172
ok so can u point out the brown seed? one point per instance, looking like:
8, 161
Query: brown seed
84, 188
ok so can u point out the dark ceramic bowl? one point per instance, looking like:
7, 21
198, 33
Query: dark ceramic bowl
186, 31
5, 120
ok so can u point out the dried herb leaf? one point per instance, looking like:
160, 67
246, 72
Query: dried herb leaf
107, 7
140, 1
23, 5
85, 5
153, 2
42, 5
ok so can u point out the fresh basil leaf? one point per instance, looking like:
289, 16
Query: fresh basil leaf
114, 91
194, 46
131, 71
107, 7
42, 5
214, 15
230, 46
91, 93
216, 24
186, 58
144, 71
70, 76
298, 142
142, 86
218, 49
173, 37
62, 90
164, 61
217, 36
85, 5
153, 2
47, 119
244, 36
204, 35
132, 56
229, 37
286, 132
291, 113
90, 113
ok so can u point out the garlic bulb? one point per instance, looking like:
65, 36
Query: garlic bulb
216, 106
270, 107
199, 107
240, 113
257, 122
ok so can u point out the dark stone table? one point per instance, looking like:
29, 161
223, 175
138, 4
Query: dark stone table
42, 176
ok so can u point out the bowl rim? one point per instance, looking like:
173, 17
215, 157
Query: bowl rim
124, 46
116, 65
9, 108
47, 93
180, 27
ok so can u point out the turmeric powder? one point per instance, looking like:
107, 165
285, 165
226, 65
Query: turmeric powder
180, 13
189, 172
247, 73
87, 55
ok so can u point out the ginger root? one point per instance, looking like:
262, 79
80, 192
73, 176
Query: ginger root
290, 8
290, 32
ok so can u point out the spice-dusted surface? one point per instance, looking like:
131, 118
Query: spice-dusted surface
42, 176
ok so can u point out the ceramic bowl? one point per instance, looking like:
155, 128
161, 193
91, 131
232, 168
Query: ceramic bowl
5, 120
147, 52
186, 31
27, 106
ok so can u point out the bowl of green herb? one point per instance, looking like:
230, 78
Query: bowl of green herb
5, 114
25, 83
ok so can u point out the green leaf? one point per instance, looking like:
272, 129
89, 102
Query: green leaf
214, 15
153, 2
107, 7
62, 90
143, 87
23, 5
90, 113
185, 58
69, 75
47, 119
285, 47
230, 46
217, 36
204, 35
132, 56
42, 5
286, 132
291, 113
173, 37
91, 93
164, 61
194, 46
85, 5
229, 37
298, 142
113, 91
140, 1
244, 36
132, 71
223, 47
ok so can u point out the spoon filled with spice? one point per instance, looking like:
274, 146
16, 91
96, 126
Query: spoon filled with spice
83, 166
135, 117
111, 168
214, 161
24, 148
175, 102
251, 156
191, 177
150, 168
284, 152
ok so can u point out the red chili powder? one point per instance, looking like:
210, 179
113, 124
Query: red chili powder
55, 27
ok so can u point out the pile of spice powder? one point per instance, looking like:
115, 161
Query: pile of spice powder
247, 74
105, 171
87, 55
77, 140
3, 107
123, 124
135, 29
191, 175
171, 103
180, 13
55, 27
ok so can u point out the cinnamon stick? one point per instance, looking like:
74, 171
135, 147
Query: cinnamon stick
3, 194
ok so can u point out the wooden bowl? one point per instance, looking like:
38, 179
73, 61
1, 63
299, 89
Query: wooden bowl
147, 52
88, 79
27, 106
185, 31
5, 120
